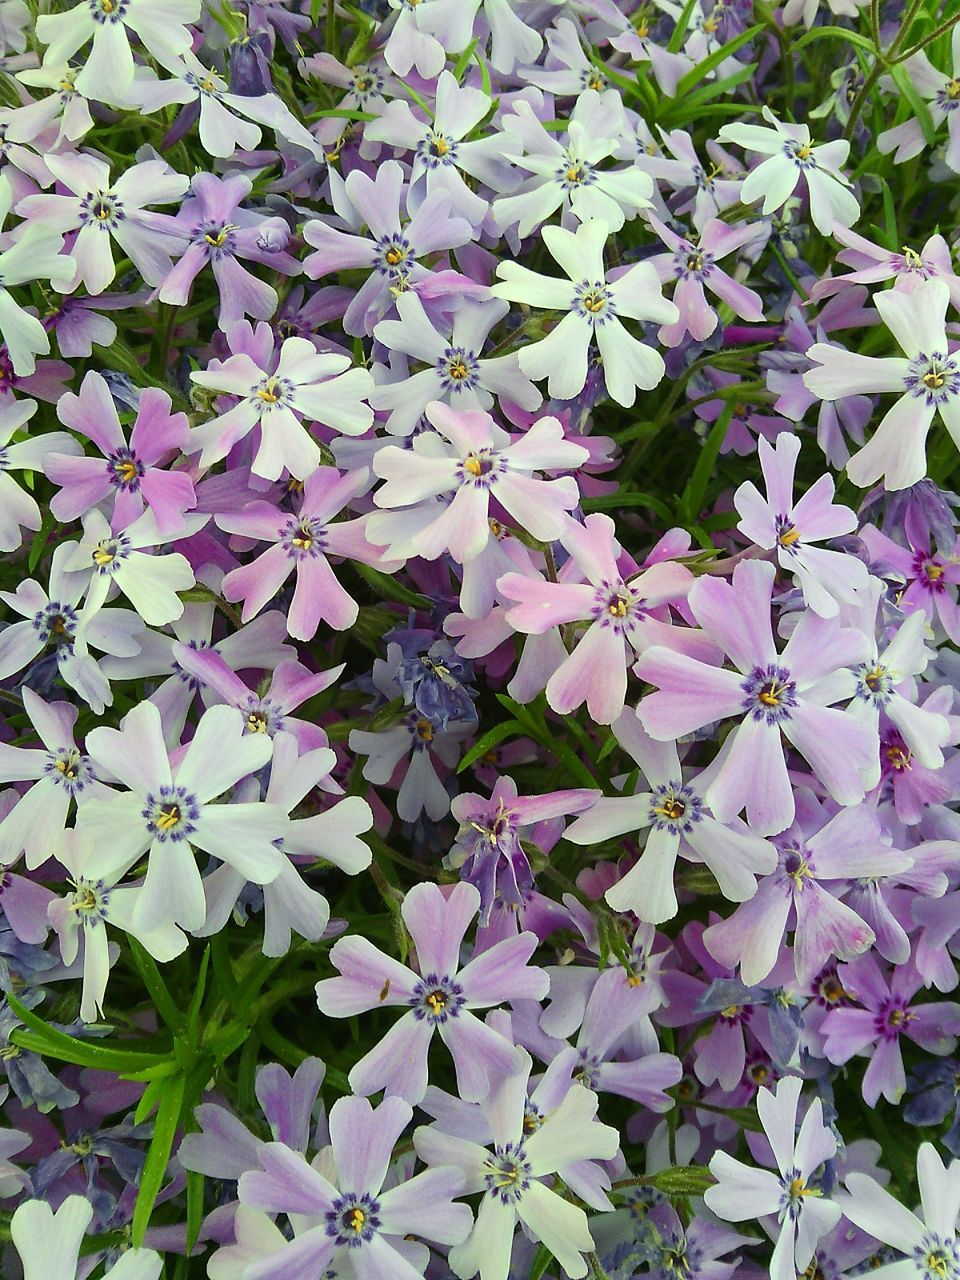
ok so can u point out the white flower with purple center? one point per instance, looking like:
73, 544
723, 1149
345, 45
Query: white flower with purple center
788, 528
928, 1244
941, 91
347, 1221
792, 158
457, 372
439, 999
523, 1150
126, 561
36, 254
927, 377
678, 821
304, 385
792, 1195
167, 811
100, 211
595, 303
161, 25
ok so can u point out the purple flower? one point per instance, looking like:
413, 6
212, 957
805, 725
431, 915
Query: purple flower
774, 695
439, 998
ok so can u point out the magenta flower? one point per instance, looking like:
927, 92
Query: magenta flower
886, 1014
301, 544
778, 524
473, 459
792, 1193
774, 695
132, 473
622, 615
438, 999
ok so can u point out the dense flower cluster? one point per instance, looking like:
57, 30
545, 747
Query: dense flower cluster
479, 771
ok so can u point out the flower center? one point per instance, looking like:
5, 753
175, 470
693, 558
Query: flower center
353, 1220
788, 535
933, 378
171, 814
459, 370
126, 470
101, 209
506, 1173
109, 554
67, 768
771, 694
56, 623
437, 998
674, 807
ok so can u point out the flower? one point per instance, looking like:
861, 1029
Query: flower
100, 211
488, 851
473, 459
929, 1244
167, 810
36, 254
927, 376
457, 372
301, 544
19, 510
771, 693
594, 302
792, 1194
884, 1016
792, 157
161, 25
49, 1243
511, 1175
150, 582
132, 473
213, 230
693, 267
623, 614
323, 388
345, 1219
778, 524
85, 911
674, 811
438, 999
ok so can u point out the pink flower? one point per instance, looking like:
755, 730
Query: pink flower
130, 472
621, 615
301, 544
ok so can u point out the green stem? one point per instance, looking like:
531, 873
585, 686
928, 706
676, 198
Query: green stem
934, 35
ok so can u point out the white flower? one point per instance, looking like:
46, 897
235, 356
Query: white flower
49, 1243
101, 211
160, 24
594, 304
34, 255
87, 909
150, 582
323, 388
792, 157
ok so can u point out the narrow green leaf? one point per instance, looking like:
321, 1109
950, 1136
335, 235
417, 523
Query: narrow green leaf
499, 733
51, 1043
158, 1156
901, 78
540, 1263
714, 60
387, 588
683, 1180
836, 33
463, 60
152, 979
692, 498
675, 42
195, 1185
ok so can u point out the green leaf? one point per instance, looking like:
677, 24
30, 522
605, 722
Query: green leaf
837, 33
714, 60
51, 1043
195, 1185
463, 60
680, 30
540, 1263
615, 501
159, 993
386, 587
683, 1180
158, 1156
901, 78
499, 733
692, 498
